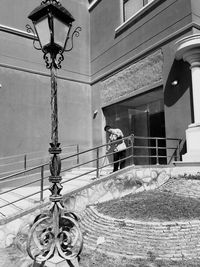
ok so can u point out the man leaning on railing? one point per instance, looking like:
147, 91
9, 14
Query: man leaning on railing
117, 146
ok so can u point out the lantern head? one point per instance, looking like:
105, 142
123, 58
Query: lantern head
52, 23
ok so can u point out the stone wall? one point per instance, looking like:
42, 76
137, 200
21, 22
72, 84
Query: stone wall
143, 73
115, 186
175, 240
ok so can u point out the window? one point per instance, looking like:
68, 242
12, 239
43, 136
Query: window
133, 6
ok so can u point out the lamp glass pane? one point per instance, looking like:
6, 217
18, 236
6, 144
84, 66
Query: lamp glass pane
60, 32
43, 31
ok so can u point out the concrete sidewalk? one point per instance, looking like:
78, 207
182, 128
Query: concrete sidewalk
26, 198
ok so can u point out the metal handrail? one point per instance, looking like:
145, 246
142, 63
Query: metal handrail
92, 149
32, 153
177, 152
96, 162
23, 159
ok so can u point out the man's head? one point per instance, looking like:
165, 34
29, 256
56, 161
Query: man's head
107, 128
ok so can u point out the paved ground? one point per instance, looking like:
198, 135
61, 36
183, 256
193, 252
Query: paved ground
10, 257
25, 198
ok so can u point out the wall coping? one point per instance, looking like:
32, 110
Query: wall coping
140, 222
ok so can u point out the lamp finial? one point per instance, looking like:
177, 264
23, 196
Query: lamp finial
51, 2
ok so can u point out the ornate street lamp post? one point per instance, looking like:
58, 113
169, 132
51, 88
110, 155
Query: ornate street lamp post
55, 233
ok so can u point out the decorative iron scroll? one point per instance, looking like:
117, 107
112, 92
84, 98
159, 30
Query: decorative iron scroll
45, 240
75, 33
29, 29
54, 60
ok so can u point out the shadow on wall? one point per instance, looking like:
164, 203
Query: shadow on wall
180, 72
183, 149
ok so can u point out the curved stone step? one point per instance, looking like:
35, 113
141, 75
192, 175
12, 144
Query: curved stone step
171, 240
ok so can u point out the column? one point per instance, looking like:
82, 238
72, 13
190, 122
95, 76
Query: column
188, 49
193, 58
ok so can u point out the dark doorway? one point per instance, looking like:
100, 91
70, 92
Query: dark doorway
157, 129
143, 116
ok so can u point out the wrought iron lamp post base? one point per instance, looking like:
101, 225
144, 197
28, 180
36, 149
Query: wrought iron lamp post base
57, 261
55, 236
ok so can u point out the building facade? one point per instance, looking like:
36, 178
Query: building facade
144, 85
127, 67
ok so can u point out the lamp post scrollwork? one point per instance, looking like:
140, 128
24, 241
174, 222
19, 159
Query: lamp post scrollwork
57, 231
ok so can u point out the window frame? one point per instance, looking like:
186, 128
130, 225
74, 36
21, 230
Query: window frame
136, 16
144, 3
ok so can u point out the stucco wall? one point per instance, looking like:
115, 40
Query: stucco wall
109, 51
25, 83
25, 112
154, 30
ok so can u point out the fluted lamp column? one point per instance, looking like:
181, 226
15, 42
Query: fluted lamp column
55, 238
188, 49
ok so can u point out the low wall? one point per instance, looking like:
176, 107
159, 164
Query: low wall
175, 240
129, 180
133, 180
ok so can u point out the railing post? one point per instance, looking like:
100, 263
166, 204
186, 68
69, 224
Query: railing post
77, 149
42, 184
157, 156
132, 149
97, 165
179, 150
25, 161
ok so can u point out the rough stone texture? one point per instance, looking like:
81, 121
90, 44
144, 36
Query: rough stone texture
185, 188
140, 74
134, 181
13, 241
14, 229
137, 239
